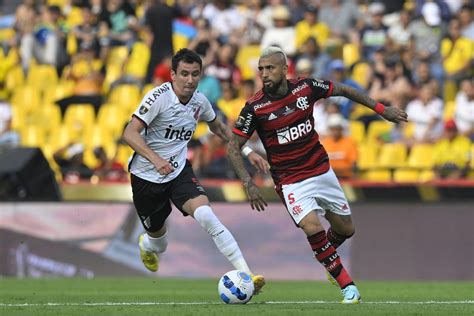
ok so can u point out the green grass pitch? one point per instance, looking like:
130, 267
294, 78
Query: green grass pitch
154, 296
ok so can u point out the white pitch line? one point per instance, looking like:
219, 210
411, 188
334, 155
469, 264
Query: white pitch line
215, 303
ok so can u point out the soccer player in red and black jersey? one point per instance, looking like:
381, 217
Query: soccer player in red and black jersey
282, 115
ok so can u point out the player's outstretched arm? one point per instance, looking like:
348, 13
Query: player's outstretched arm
390, 113
131, 135
235, 158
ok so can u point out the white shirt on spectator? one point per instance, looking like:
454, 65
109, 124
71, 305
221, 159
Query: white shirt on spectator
283, 37
464, 114
226, 21
5, 115
422, 115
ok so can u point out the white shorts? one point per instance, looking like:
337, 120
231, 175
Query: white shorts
318, 193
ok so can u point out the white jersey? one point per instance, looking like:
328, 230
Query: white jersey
170, 125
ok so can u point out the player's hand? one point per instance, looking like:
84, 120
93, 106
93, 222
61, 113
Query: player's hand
394, 114
163, 166
255, 198
258, 162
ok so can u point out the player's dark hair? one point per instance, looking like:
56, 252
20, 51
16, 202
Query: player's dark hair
187, 56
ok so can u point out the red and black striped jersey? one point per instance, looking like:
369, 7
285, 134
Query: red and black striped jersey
286, 128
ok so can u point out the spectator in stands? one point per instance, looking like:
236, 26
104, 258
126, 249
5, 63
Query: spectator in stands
322, 109
426, 36
457, 52
311, 27
47, 41
224, 17
265, 18
341, 149
426, 112
340, 16
205, 41
70, 159
118, 23
390, 85
319, 59
374, 36
223, 66
399, 32
87, 33
282, 34
159, 25
162, 72
253, 27
230, 103
467, 21
8, 137
451, 153
422, 76
337, 73
108, 169
88, 83
464, 113
304, 68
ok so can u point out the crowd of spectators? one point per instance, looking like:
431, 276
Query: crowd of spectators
414, 54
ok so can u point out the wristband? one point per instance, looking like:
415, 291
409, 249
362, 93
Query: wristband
379, 108
246, 151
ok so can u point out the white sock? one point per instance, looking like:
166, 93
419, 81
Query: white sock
157, 245
222, 237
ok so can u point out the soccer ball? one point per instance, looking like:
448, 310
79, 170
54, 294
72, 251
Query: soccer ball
235, 287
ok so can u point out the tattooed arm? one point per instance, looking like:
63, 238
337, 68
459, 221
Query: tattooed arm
390, 113
235, 158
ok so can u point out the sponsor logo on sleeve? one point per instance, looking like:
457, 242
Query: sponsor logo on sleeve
143, 110
320, 84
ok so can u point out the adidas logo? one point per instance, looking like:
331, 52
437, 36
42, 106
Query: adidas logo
272, 117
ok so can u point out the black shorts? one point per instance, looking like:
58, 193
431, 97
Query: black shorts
152, 200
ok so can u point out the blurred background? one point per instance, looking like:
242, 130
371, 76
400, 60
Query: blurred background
73, 72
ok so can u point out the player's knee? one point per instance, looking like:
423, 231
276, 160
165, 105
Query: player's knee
347, 230
310, 227
206, 218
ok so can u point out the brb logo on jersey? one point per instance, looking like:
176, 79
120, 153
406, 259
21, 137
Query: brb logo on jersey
289, 134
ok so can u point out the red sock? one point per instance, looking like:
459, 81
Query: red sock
325, 252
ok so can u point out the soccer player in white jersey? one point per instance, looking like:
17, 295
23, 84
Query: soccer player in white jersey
159, 132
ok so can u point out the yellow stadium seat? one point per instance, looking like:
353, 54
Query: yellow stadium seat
376, 129
471, 162
112, 73
449, 90
406, 175
376, 175
367, 156
48, 116
147, 88
421, 156
361, 74
32, 136
112, 117
28, 97
137, 65
427, 175
117, 55
79, 118
74, 17
71, 44
62, 90
357, 131
97, 136
42, 77
392, 156
126, 95
124, 152
409, 130
247, 60
14, 78
18, 117
449, 110
179, 41
350, 54
60, 137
